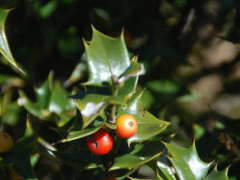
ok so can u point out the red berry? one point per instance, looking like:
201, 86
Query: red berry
100, 143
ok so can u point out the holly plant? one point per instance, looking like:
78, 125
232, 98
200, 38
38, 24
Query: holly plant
103, 131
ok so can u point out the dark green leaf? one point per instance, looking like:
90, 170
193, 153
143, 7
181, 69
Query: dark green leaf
4, 47
93, 105
218, 175
106, 57
43, 93
187, 163
141, 154
79, 160
28, 104
73, 135
19, 157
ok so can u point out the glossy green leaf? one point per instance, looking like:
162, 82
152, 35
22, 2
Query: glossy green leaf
28, 104
218, 175
130, 78
73, 135
148, 125
43, 93
187, 163
79, 160
19, 157
141, 154
157, 178
164, 168
161, 163
58, 102
77, 74
93, 105
4, 47
106, 57
130, 161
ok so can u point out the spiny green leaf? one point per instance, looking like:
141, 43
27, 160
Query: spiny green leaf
164, 168
157, 178
28, 104
148, 125
130, 161
130, 78
219, 175
77, 74
73, 135
79, 160
4, 47
187, 163
93, 105
43, 93
141, 154
106, 57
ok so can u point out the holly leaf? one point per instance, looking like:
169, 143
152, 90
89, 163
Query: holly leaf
43, 93
93, 105
79, 160
141, 154
219, 175
106, 57
29, 105
148, 125
73, 135
130, 78
4, 47
187, 163
157, 178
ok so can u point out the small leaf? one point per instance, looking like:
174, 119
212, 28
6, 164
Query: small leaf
79, 160
164, 168
219, 175
187, 163
134, 70
4, 47
148, 125
28, 104
130, 78
43, 93
106, 57
73, 135
130, 161
76, 75
58, 102
141, 154
157, 178
100, 102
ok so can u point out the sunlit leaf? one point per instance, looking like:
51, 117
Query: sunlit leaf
28, 104
43, 93
4, 47
93, 105
187, 163
73, 135
157, 178
219, 175
106, 57
141, 154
